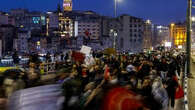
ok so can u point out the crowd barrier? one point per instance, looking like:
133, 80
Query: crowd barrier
9, 62
185, 89
46, 68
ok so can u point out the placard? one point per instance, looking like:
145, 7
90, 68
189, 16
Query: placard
86, 50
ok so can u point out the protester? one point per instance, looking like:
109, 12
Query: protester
87, 79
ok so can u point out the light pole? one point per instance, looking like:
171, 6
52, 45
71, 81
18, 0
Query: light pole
114, 31
188, 46
115, 6
114, 34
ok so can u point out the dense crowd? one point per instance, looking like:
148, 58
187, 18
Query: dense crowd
152, 76
89, 83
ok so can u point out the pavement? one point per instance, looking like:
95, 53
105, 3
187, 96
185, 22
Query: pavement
191, 89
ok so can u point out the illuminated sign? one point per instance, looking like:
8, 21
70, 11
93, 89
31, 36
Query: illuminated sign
36, 20
67, 5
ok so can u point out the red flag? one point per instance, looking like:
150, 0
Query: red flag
87, 33
175, 78
179, 93
84, 73
121, 99
78, 56
106, 73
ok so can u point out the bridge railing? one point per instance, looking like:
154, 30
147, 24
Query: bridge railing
46, 68
185, 87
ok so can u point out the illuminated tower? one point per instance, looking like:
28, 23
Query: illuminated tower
67, 5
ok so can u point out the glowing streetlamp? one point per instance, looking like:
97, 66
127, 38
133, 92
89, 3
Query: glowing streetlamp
148, 21
193, 18
172, 24
115, 7
114, 34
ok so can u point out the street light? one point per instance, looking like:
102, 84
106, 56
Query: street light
188, 44
114, 34
148, 21
115, 7
172, 24
115, 2
193, 18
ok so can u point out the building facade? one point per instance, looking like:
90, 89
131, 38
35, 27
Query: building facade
130, 33
178, 34
53, 20
28, 20
147, 41
89, 25
6, 19
162, 35
8, 34
22, 41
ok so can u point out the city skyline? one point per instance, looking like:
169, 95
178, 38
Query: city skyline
159, 11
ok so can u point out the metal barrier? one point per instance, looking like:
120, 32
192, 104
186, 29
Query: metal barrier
185, 89
24, 61
47, 67
9, 62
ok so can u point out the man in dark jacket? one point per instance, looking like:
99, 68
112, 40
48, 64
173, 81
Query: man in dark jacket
171, 88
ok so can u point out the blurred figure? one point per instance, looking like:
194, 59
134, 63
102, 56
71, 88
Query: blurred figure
15, 58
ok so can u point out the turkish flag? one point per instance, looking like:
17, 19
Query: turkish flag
121, 99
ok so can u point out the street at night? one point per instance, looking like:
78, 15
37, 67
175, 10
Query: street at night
97, 55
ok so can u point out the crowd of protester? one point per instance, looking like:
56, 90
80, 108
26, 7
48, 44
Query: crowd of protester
151, 77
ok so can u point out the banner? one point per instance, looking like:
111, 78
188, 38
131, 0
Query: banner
89, 60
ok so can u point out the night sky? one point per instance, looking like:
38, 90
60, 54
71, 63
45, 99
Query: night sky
159, 11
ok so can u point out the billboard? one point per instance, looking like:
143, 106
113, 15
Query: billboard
67, 5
